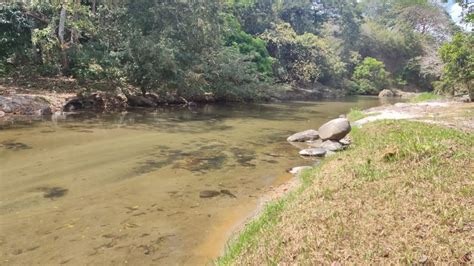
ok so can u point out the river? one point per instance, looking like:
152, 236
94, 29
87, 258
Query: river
116, 189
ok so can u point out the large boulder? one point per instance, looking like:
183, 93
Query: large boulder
303, 136
25, 105
386, 93
335, 129
318, 152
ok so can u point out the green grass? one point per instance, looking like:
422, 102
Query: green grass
268, 218
400, 192
425, 96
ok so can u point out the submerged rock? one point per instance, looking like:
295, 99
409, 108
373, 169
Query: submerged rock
331, 145
228, 193
318, 152
306, 135
209, 194
335, 129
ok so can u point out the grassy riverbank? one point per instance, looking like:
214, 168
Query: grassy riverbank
400, 194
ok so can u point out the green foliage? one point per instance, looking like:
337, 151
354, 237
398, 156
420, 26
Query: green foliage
392, 46
425, 96
248, 45
14, 36
177, 48
302, 58
458, 57
370, 76
229, 75
417, 74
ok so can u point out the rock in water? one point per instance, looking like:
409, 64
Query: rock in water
25, 105
331, 145
319, 152
298, 169
386, 93
302, 136
209, 194
335, 129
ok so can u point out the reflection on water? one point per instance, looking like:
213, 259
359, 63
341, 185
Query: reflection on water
160, 187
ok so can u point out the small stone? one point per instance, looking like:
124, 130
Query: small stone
2, 114
345, 141
319, 152
423, 259
299, 169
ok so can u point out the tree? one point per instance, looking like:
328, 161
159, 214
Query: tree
370, 76
458, 71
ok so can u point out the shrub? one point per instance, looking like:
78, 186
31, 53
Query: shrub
370, 77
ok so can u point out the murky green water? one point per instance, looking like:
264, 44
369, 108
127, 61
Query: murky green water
125, 188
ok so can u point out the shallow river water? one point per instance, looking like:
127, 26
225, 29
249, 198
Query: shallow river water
120, 189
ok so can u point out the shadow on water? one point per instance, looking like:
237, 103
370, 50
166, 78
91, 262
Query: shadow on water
202, 159
202, 118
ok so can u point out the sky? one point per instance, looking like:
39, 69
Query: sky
455, 11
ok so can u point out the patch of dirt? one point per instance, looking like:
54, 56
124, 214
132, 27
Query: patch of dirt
445, 113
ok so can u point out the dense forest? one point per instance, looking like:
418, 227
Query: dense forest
239, 50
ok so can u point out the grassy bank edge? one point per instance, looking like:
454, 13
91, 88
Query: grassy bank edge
272, 213
267, 218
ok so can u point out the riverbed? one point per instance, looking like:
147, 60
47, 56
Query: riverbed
116, 189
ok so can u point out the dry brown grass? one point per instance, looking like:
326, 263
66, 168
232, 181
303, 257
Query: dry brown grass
402, 194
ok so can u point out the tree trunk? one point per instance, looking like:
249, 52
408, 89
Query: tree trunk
470, 90
62, 23
94, 6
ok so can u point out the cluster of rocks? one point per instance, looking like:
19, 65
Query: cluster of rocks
328, 139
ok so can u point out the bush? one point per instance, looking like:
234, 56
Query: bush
370, 77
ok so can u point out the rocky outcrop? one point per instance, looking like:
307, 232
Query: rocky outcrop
142, 101
316, 152
25, 105
307, 135
386, 93
335, 129
97, 101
